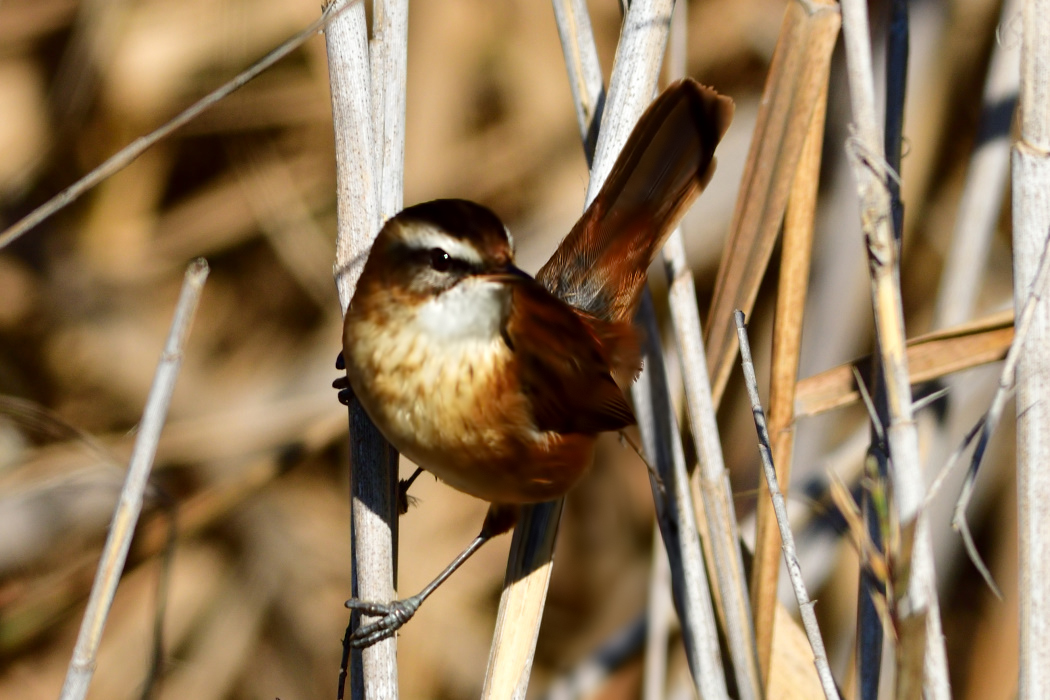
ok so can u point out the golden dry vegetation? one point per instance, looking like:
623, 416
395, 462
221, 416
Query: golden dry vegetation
252, 469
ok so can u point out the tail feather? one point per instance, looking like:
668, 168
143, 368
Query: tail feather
601, 265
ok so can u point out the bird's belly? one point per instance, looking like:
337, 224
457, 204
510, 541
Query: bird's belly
459, 412
518, 474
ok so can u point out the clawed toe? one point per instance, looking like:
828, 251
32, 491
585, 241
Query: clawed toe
392, 616
403, 499
346, 392
343, 383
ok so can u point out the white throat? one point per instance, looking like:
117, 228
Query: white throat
473, 310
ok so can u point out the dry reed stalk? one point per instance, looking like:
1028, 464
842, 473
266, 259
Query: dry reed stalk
346, 40
522, 601
809, 618
122, 158
966, 268
787, 342
660, 605
897, 46
636, 67
389, 70
1031, 217
585, 71
930, 356
658, 613
368, 117
872, 174
676, 516
28, 616
990, 421
981, 200
967, 261
725, 563
796, 76
125, 517
944, 51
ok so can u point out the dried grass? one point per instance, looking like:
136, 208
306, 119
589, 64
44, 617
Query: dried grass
251, 466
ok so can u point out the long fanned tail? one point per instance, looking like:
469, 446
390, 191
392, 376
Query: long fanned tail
667, 161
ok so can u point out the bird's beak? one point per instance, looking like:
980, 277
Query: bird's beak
509, 274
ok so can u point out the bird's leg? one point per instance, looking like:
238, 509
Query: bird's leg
392, 616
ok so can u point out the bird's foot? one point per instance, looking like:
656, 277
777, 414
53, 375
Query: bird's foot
346, 392
392, 616
403, 499
343, 383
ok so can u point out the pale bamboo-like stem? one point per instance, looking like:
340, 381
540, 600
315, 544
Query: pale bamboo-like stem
809, 618
521, 604
125, 156
982, 195
798, 72
715, 489
389, 72
356, 187
659, 610
965, 267
1031, 216
585, 72
727, 569
870, 634
995, 411
373, 462
129, 506
676, 516
898, 40
871, 174
660, 606
787, 342
636, 68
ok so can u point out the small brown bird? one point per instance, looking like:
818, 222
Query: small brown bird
498, 383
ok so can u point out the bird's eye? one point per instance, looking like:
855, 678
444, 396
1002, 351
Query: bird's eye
440, 260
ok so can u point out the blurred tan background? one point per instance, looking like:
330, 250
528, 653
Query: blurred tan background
252, 466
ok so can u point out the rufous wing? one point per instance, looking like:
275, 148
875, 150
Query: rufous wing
668, 159
563, 368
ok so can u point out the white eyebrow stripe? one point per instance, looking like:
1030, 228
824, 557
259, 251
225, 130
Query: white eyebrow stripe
425, 238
